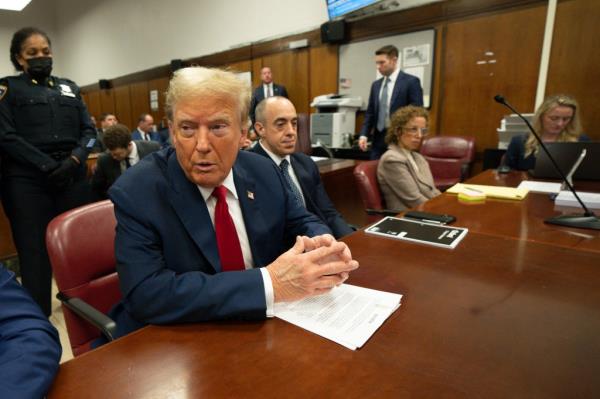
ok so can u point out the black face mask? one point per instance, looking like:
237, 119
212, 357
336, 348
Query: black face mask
39, 68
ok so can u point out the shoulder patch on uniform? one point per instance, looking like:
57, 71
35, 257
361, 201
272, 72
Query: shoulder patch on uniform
3, 91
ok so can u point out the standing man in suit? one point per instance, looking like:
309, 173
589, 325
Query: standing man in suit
29, 345
276, 125
265, 90
122, 154
204, 230
144, 129
394, 90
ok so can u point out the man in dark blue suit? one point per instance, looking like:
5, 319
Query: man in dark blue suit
29, 345
394, 90
276, 125
204, 230
265, 90
144, 131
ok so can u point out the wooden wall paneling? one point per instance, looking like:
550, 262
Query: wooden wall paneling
257, 64
240, 66
222, 58
92, 101
323, 71
498, 53
123, 105
140, 102
429, 15
107, 101
575, 59
161, 86
290, 68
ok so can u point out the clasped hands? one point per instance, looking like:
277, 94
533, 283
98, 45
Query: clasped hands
313, 266
62, 176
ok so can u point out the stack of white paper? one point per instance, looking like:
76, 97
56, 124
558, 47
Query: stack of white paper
566, 198
348, 315
540, 186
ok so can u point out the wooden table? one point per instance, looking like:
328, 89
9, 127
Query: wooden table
517, 219
494, 318
513, 311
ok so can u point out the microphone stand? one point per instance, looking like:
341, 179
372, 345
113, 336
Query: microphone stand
324, 147
586, 221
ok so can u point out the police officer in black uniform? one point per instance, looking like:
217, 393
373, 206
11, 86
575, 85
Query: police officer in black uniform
45, 137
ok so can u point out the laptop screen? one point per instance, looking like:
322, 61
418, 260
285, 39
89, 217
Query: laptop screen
566, 154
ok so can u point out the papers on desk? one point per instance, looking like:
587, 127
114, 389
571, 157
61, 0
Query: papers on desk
540, 186
566, 198
422, 232
348, 315
491, 191
317, 159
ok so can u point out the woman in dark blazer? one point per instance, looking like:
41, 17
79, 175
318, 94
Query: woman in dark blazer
556, 120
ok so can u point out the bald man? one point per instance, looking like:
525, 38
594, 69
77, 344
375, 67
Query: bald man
276, 125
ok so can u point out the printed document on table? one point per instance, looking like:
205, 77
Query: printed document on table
540, 186
348, 315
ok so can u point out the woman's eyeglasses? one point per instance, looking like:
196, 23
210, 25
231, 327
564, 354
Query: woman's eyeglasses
415, 130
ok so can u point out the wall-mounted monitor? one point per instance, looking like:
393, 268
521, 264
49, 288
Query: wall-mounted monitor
339, 8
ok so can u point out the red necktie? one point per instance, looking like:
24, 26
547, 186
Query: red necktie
228, 242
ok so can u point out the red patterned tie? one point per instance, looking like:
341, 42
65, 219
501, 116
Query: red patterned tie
228, 242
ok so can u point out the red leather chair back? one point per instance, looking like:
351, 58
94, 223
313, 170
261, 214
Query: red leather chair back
81, 248
449, 157
303, 143
365, 175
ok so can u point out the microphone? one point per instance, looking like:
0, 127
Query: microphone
586, 221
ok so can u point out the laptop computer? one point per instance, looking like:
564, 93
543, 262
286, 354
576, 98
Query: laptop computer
566, 155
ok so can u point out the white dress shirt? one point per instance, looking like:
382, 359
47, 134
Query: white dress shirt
143, 134
235, 211
390, 90
134, 155
268, 90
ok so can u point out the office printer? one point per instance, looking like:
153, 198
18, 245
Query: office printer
334, 123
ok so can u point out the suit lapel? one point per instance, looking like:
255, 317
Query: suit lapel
189, 205
396, 90
377, 89
260, 95
301, 174
115, 169
304, 179
247, 195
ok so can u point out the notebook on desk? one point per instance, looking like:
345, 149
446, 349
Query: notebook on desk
566, 154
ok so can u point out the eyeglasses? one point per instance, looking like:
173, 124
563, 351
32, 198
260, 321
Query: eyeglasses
415, 130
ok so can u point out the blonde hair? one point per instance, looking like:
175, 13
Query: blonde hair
399, 120
571, 132
200, 82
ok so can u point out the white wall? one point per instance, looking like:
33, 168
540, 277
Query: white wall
111, 38
40, 13
105, 39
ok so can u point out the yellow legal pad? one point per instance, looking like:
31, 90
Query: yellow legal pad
491, 191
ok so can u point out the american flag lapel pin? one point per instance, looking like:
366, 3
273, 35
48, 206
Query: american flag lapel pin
250, 195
